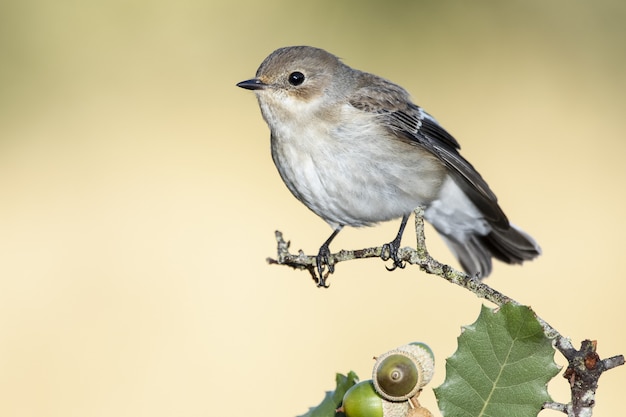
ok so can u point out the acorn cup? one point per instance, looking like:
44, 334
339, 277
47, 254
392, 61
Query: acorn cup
398, 377
402, 372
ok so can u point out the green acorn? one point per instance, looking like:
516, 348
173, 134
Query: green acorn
402, 372
361, 400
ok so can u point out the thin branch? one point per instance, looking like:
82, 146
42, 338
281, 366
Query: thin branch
585, 366
556, 407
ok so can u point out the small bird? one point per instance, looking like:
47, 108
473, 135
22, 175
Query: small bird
355, 150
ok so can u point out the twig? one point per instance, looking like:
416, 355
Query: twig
585, 366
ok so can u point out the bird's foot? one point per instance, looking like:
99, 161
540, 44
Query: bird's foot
390, 251
322, 261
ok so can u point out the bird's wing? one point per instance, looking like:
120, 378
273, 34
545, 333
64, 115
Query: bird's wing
410, 122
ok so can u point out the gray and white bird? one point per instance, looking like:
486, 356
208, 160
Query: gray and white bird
355, 150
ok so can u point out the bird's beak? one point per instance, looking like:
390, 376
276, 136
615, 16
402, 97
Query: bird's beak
253, 84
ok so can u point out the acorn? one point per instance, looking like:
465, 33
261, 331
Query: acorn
402, 372
361, 400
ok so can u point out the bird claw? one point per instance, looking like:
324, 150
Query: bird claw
390, 251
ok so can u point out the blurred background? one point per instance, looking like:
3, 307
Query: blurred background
138, 199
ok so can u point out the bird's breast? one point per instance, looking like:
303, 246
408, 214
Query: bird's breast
355, 172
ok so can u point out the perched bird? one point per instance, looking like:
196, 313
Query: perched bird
356, 151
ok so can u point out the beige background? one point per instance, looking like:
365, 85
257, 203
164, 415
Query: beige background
139, 199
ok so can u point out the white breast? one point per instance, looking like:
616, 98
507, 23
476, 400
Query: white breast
353, 173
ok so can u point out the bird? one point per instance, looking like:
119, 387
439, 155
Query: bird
355, 149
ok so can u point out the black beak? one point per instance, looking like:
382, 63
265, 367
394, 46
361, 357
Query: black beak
253, 84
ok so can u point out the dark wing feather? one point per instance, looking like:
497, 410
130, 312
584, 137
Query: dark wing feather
408, 121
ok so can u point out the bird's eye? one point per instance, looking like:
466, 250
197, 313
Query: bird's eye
296, 78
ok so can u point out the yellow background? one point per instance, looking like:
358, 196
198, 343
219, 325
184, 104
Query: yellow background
138, 199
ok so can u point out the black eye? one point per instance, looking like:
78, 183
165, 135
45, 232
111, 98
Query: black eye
296, 78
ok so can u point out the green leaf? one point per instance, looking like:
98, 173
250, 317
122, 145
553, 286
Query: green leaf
332, 399
501, 367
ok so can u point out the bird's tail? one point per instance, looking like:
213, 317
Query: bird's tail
475, 251
474, 236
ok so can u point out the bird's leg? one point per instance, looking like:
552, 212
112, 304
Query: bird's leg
322, 259
390, 250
